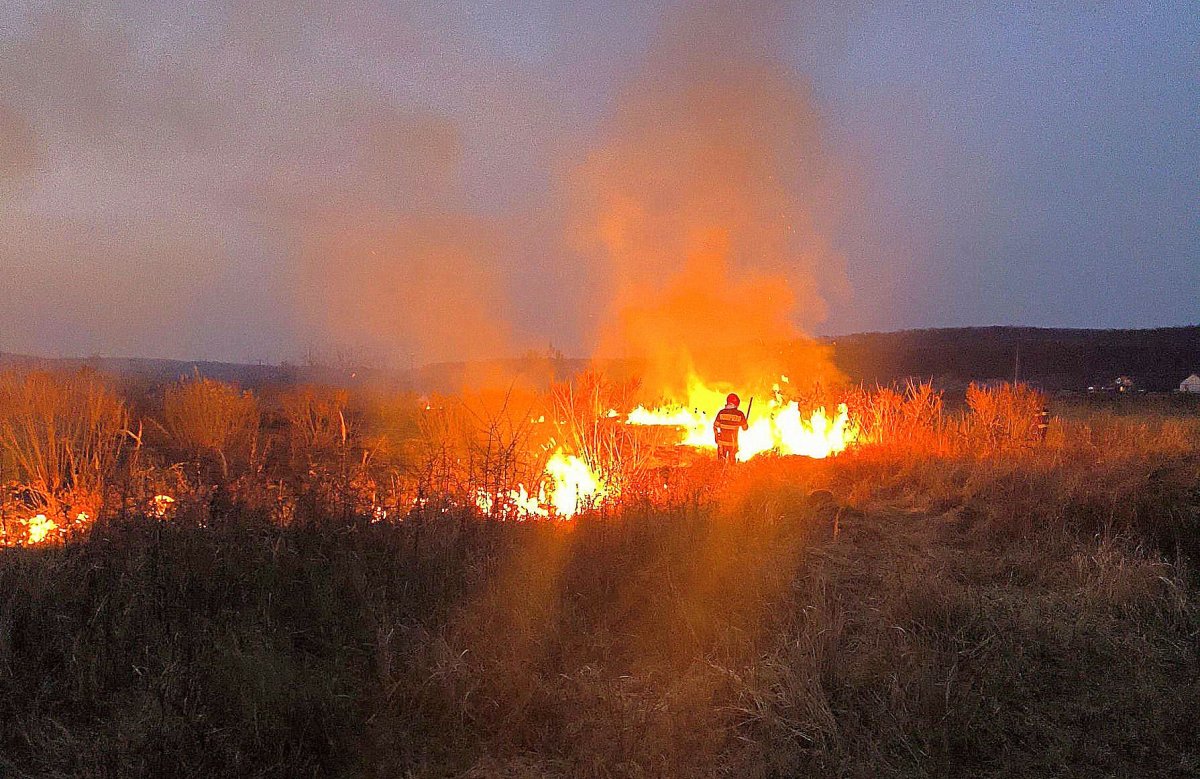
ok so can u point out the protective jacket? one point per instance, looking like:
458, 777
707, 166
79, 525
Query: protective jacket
727, 424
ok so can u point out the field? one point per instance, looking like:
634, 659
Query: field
955, 597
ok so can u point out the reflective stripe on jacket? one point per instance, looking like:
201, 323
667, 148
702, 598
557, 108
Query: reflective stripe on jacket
727, 424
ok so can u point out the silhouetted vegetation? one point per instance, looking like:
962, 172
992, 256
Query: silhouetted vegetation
1157, 359
1054, 359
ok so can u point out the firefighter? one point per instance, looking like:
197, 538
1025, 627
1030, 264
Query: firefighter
1042, 425
726, 425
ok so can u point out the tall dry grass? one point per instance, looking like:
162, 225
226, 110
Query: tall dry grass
735, 637
208, 418
316, 419
585, 425
913, 421
484, 442
1002, 416
318, 451
911, 418
950, 599
63, 434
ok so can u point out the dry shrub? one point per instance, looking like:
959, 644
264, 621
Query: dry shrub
64, 433
387, 442
1002, 416
584, 425
348, 455
390, 427
444, 437
318, 439
209, 417
316, 418
908, 419
480, 442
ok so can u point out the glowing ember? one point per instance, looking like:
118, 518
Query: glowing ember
517, 503
778, 425
161, 506
39, 527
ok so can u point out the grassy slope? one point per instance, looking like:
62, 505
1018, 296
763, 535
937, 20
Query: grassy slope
1033, 617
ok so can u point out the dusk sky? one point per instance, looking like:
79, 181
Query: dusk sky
260, 180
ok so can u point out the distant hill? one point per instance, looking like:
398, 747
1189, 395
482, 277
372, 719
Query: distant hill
1157, 359
156, 371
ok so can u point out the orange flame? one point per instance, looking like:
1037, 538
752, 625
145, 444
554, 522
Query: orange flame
574, 484
781, 427
39, 528
161, 506
570, 487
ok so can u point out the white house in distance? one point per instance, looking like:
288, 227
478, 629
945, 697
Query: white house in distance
1190, 384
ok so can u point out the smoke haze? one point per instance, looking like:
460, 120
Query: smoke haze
433, 180
708, 206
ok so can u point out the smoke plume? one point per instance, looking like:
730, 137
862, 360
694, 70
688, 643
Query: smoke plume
395, 265
706, 208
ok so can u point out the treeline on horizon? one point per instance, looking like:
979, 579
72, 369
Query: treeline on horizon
1156, 359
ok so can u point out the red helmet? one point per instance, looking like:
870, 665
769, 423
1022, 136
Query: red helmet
733, 399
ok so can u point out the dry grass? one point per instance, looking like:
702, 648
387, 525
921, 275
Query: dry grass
581, 415
1002, 417
909, 419
968, 619
316, 420
321, 451
209, 418
954, 599
62, 436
